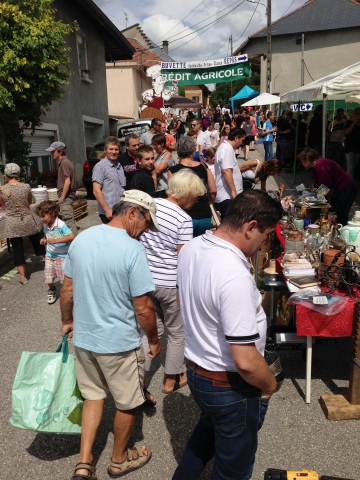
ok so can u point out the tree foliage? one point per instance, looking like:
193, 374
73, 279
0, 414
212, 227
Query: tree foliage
222, 92
181, 90
34, 66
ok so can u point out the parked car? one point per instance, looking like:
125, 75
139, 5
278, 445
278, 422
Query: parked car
137, 126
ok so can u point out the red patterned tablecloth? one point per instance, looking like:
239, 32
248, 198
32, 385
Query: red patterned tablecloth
313, 324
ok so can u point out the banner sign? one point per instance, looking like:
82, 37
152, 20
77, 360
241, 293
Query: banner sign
304, 107
209, 71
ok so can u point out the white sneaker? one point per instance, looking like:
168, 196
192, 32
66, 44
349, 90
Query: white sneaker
51, 296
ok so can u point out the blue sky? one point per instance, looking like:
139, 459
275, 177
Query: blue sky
158, 17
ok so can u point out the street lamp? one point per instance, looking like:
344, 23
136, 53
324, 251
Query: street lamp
268, 55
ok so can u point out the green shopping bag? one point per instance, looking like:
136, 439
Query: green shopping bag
45, 395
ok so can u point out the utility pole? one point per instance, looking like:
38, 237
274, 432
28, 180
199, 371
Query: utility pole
302, 58
231, 53
126, 19
268, 55
298, 109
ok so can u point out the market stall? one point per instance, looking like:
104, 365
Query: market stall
246, 93
320, 264
340, 85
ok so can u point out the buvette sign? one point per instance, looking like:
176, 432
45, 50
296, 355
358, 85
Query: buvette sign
209, 71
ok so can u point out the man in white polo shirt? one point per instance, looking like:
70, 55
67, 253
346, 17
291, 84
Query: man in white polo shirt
228, 177
225, 332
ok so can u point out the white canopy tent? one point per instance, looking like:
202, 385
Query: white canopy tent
336, 86
262, 99
340, 85
353, 99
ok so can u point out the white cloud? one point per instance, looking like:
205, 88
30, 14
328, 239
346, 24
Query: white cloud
159, 18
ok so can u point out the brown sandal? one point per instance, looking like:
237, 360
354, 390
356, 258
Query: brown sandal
130, 463
177, 385
85, 466
148, 399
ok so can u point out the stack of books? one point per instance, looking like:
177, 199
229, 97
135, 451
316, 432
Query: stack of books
300, 273
298, 268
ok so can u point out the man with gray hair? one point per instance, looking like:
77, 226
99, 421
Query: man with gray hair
102, 302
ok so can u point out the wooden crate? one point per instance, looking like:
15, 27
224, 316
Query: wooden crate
80, 209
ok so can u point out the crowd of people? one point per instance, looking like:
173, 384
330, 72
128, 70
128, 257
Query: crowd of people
174, 273
164, 279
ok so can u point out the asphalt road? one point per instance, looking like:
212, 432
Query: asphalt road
294, 436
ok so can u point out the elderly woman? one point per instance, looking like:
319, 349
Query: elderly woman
200, 212
17, 197
162, 249
343, 189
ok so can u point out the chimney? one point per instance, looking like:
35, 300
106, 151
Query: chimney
165, 47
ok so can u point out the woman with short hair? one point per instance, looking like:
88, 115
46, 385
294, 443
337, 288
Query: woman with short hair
162, 249
200, 211
16, 197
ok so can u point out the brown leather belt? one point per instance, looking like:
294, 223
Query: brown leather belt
227, 377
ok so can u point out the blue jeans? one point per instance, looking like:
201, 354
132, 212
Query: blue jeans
228, 428
200, 226
269, 154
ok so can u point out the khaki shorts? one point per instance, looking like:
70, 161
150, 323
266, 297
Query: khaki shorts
120, 375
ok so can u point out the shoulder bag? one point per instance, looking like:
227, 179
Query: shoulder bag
215, 218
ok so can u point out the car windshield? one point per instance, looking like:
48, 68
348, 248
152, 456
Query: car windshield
136, 128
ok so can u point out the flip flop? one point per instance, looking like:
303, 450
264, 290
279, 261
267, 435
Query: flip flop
130, 463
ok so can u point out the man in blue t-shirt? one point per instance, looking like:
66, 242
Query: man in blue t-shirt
104, 297
268, 135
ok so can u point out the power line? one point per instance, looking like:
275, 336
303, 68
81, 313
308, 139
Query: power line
288, 8
207, 18
308, 72
247, 26
181, 20
211, 25
223, 51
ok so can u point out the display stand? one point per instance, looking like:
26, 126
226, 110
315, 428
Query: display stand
341, 407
